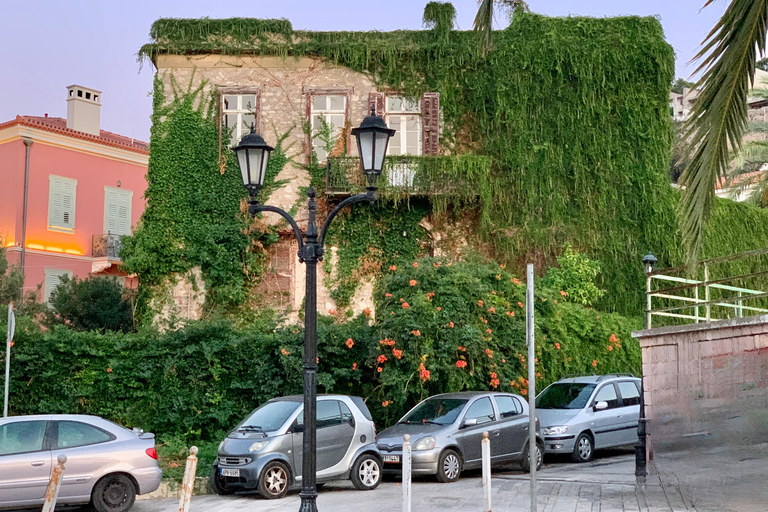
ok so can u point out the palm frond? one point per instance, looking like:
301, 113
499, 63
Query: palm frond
484, 23
719, 117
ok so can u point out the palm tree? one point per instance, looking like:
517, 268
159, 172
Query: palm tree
484, 18
719, 117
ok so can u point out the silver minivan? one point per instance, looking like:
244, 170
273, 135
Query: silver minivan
264, 452
581, 414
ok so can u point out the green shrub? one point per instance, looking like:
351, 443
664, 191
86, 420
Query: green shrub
93, 303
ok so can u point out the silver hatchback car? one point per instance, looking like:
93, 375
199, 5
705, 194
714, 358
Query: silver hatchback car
447, 430
581, 414
264, 452
107, 465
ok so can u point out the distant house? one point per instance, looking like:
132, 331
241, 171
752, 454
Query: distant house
69, 191
680, 105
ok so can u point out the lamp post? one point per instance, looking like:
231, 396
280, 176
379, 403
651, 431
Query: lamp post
253, 156
641, 458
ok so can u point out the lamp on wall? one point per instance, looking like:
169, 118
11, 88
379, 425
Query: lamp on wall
253, 157
372, 139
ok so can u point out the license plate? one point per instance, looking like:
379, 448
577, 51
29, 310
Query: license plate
391, 458
230, 472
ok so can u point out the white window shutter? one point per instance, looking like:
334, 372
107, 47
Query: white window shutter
52, 279
61, 202
117, 211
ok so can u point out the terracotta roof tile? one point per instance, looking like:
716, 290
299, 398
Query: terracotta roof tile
59, 125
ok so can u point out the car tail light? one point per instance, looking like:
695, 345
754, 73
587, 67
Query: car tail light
152, 452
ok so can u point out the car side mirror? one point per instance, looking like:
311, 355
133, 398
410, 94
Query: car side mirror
471, 422
599, 406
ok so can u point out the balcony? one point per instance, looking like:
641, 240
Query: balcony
462, 176
106, 246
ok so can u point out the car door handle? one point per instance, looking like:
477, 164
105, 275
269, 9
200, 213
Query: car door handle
38, 464
496, 432
619, 416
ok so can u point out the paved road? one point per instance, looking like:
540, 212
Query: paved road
606, 484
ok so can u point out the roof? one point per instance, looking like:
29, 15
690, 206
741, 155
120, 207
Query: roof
59, 125
593, 379
744, 180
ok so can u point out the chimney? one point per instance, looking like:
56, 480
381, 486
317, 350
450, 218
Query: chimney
84, 109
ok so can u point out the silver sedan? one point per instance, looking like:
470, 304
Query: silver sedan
107, 465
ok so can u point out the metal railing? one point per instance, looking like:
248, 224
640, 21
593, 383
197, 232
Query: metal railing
411, 175
706, 299
106, 246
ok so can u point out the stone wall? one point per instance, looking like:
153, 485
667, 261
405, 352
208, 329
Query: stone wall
706, 383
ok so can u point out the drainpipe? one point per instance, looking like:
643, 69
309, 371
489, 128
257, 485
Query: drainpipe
28, 143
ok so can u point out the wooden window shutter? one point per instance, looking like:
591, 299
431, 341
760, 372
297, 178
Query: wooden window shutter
375, 102
430, 123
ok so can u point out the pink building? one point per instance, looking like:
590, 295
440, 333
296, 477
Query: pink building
68, 192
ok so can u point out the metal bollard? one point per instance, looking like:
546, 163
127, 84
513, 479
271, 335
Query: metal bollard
486, 473
188, 483
52, 492
406, 473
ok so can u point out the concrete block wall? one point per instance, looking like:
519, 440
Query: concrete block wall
706, 383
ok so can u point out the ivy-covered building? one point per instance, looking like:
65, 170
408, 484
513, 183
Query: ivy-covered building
559, 133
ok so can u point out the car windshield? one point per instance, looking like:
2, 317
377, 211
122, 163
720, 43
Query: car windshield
441, 411
270, 416
565, 395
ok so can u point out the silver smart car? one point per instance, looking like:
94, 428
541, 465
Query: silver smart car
107, 465
264, 451
447, 430
580, 414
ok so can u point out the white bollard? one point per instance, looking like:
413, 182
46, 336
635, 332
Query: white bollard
52, 492
188, 483
486, 473
406, 473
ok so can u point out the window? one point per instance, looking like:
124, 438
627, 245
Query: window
328, 114
630, 395
52, 279
508, 406
608, 394
328, 413
22, 437
117, 211
481, 410
404, 116
239, 112
61, 203
74, 433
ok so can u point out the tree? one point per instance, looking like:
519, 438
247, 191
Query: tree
719, 117
483, 23
94, 303
11, 279
762, 64
751, 158
680, 84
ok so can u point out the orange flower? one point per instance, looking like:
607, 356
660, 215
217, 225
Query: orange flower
391, 312
489, 331
415, 264
450, 325
430, 295
354, 366
367, 312
502, 266
480, 303
109, 370
461, 348
350, 343
402, 299
503, 360
520, 304
393, 267
439, 308
562, 292
510, 313
494, 383
378, 369
13, 343
381, 359
386, 403
515, 280
387, 294
284, 352
555, 301
523, 391
557, 346
412, 282
493, 375
461, 364
514, 384
483, 320
436, 264
491, 310
538, 374
610, 348
613, 338
416, 333
594, 362
489, 352
397, 353
406, 305
423, 372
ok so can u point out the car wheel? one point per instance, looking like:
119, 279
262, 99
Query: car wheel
366, 472
273, 482
525, 463
113, 493
217, 485
449, 466
582, 451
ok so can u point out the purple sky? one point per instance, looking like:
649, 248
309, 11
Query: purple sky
50, 44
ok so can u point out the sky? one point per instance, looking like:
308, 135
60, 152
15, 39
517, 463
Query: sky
50, 44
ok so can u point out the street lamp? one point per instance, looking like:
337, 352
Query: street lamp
253, 157
641, 458
649, 262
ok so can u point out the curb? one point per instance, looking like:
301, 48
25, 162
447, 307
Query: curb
170, 488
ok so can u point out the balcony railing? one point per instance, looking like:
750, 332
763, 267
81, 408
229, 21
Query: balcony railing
106, 246
461, 175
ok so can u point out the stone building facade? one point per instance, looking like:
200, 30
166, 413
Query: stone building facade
297, 96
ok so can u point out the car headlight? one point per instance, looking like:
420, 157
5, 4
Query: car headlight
221, 445
258, 445
425, 443
558, 430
